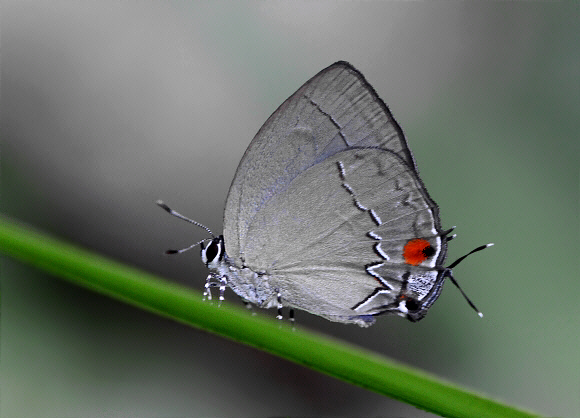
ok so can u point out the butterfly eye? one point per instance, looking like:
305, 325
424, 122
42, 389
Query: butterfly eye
212, 251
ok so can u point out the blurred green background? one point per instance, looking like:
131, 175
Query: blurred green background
108, 106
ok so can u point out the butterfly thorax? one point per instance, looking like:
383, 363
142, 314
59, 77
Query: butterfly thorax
249, 285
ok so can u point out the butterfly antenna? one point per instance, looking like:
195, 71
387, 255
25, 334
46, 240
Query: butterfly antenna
450, 275
184, 249
460, 259
161, 204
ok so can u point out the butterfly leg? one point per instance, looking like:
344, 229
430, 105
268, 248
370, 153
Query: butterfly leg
206, 290
213, 280
280, 306
223, 284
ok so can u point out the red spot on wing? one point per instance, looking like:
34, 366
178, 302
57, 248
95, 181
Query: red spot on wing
416, 251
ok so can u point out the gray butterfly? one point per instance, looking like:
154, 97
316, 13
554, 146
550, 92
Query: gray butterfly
327, 213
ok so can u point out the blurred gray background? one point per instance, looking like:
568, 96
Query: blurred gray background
108, 106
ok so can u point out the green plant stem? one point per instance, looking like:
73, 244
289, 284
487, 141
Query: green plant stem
335, 358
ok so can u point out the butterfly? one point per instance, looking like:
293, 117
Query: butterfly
327, 212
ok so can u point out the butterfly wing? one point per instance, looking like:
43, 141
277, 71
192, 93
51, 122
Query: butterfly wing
333, 242
335, 110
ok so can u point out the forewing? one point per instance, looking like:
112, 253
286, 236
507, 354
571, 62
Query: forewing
335, 110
